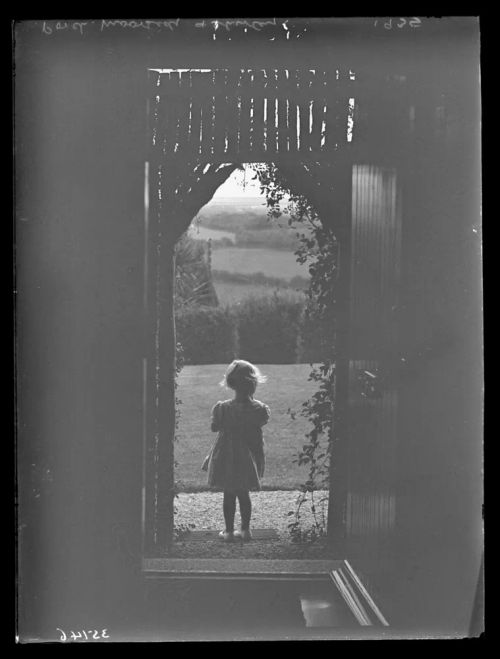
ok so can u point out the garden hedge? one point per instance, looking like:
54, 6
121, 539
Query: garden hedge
207, 334
271, 329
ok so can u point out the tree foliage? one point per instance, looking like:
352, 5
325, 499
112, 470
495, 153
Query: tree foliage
193, 281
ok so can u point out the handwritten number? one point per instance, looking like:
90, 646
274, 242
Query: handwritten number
413, 22
76, 635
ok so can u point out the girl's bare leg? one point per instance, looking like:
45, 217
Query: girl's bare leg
229, 510
245, 509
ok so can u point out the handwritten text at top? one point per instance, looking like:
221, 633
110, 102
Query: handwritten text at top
49, 28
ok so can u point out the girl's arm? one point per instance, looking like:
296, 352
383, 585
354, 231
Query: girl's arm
216, 423
265, 415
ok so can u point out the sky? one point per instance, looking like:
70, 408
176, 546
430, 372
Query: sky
239, 184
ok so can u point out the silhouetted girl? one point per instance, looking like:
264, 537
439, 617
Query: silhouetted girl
236, 462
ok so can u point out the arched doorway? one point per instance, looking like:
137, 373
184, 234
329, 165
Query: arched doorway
203, 124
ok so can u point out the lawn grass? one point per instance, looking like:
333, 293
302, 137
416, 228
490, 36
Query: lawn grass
198, 388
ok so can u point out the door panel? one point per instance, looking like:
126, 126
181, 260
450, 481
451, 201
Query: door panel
373, 400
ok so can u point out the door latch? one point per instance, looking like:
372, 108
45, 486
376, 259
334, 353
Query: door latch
369, 384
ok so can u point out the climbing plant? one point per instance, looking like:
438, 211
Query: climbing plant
180, 529
318, 248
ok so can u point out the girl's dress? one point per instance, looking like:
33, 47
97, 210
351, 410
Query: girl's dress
236, 461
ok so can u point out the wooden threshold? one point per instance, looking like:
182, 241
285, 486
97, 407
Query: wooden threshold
339, 572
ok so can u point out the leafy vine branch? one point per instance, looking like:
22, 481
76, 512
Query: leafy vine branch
318, 247
180, 529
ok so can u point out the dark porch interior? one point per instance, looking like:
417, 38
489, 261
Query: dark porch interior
81, 130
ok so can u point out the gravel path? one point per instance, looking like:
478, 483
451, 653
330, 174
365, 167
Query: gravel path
269, 510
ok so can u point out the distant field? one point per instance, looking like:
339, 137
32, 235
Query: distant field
287, 387
205, 233
228, 293
260, 246
273, 263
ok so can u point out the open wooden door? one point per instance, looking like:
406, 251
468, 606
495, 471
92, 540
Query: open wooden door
372, 385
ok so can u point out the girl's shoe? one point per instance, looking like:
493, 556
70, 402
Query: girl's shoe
227, 536
243, 535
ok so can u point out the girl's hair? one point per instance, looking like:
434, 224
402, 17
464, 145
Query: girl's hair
242, 376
